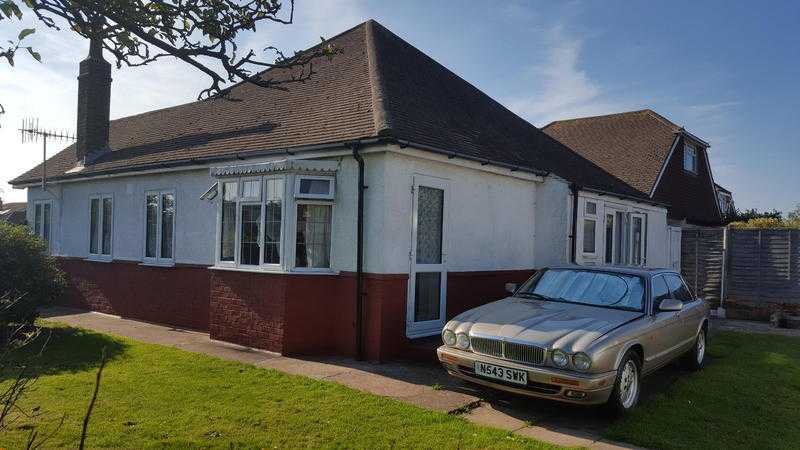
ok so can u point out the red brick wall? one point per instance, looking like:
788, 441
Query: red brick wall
175, 295
293, 314
248, 308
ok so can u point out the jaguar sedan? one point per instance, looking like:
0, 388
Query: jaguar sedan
579, 335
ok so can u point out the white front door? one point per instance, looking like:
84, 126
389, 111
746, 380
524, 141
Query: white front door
427, 278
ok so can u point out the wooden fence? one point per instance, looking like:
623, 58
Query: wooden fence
749, 272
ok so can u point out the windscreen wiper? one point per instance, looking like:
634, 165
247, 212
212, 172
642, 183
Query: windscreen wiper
533, 295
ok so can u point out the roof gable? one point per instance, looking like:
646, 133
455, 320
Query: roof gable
380, 86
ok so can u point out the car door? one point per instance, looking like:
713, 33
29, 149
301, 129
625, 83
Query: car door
691, 313
665, 335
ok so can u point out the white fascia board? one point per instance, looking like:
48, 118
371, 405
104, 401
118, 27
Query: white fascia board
664, 165
456, 161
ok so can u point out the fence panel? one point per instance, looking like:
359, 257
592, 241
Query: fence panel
702, 261
755, 272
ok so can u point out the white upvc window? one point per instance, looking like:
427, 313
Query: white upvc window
101, 226
250, 222
43, 219
313, 221
589, 236
159, 212
690, 158
314, 187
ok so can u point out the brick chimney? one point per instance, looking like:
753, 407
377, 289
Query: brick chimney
94, 103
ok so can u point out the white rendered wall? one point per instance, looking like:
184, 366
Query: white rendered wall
553, 218
489, 218
194, 218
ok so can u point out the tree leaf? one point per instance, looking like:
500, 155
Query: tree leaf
35, 54
25, 33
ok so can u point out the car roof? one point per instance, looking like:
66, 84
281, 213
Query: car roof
640, 271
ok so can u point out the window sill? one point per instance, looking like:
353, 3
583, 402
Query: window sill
274, 271
157, 264
102, 259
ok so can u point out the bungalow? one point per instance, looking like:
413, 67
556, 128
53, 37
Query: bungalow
350, 214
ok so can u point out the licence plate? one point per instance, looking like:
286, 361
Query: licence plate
515, 376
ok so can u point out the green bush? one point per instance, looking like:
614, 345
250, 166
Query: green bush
29, 278
766, 223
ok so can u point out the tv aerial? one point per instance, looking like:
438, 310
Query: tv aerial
31, 132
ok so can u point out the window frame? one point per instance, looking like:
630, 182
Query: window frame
330, 196
40, 233
101, 226
294, 266
689, 149
262, 202
594, 237
159, 260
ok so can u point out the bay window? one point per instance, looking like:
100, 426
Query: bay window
260, 215
101, 222
159, 227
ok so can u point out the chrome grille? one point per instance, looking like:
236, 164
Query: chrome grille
530, 354
524, 353
491, 347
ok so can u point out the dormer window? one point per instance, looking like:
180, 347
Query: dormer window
690, 158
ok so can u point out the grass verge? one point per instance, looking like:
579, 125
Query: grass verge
159, 396
746, 397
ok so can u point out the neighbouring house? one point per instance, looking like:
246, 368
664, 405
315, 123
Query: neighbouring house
13, 213
725, 199
650, 153
350, 214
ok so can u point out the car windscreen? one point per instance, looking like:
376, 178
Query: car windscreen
606, 289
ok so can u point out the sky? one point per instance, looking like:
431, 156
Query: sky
729, 72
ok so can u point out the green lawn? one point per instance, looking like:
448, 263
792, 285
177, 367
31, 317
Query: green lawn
159, 396
748, 396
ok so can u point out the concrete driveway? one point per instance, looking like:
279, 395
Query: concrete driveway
422, 384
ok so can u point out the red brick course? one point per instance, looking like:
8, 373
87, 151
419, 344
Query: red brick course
170, 295
292, 314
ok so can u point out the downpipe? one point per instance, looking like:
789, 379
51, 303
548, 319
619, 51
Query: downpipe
359, 325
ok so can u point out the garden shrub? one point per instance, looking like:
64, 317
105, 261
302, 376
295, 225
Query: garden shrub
766, 223
29, 277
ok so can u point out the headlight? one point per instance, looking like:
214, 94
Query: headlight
582, 361
560, 358
462, 341
449, 338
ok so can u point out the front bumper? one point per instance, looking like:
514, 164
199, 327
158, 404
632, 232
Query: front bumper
543, 382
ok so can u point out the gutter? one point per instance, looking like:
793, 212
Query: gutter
624, 197
359, 300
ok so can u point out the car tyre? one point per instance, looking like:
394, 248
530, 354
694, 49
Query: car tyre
627, 386
696, 357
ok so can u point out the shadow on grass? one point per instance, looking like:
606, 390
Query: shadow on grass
60, 349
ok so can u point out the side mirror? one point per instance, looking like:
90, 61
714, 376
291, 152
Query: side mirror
670, 304
511, 287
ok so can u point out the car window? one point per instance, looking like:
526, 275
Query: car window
660, 291
589, 287
678, 288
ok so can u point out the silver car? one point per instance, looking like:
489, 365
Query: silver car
579, 335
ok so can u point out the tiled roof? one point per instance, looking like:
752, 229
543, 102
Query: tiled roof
632, 145
13, 212
380, 86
